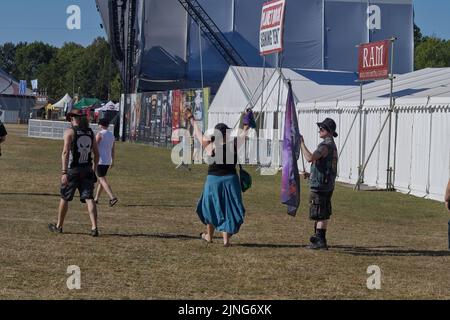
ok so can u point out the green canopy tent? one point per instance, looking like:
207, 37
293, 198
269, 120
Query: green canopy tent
85, 103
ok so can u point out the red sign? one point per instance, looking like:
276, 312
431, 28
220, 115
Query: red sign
271, 29
374, 60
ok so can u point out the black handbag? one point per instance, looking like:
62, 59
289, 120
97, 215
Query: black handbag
245, 179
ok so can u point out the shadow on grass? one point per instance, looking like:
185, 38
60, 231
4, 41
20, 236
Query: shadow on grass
140, 235
158, 206
390, 251
377, 251
269, 245
29, 194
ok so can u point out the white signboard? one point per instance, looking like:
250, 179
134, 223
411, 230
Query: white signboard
271, 30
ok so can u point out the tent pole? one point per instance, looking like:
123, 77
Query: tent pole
373, 147
201, 55
348, 134
395, 147
389, 185
360, 129
429, 150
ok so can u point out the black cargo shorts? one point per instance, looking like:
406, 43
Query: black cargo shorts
84, 180
320, 205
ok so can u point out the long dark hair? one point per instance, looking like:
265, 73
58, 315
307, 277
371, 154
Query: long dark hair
84, 123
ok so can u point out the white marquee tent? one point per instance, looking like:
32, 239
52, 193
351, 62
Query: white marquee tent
110, 106
61, 104
242, 88
420, 144
420, 147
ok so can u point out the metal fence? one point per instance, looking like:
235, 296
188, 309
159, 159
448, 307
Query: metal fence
8, 116
54, 129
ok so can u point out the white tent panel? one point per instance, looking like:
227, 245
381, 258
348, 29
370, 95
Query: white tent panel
405, 128
420, 154
373, 126
440, 150
230, 97
349, 154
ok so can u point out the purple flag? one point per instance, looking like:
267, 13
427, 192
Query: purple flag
290, 181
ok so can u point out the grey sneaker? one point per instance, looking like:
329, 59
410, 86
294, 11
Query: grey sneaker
53, 228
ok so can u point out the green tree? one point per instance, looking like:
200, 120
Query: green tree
66, 62
71, 69
31, 57
97, 70
432, 52
8, 56
418, 37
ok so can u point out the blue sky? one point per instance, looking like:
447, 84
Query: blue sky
45, 20
433, 17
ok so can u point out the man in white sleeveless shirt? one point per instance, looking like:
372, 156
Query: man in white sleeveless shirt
106, 142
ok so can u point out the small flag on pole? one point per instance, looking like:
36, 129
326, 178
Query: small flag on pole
34, 84
290, 181
23, 87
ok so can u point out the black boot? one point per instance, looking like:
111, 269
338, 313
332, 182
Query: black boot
321, 241
315, 237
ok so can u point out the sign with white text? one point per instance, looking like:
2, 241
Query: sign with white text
271, 30
374, 60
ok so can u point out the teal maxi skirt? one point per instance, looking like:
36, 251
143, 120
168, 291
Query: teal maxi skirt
221, 203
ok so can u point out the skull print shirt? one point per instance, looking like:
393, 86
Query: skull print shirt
81, 149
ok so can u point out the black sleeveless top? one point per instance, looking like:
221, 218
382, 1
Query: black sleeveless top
224, 167
81, 148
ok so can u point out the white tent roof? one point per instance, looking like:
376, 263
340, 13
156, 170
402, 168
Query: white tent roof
242, 87
9, 86
418, 87
110, 106
62, 103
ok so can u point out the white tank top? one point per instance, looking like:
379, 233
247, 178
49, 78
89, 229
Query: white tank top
105, 147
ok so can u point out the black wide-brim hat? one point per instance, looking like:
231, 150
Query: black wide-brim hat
329, 125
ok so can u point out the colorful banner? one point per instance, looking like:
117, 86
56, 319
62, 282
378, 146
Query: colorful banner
374, 60
290, 181
153, 117
176, 111
206, 95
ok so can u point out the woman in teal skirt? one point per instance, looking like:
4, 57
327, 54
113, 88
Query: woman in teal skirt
220, 207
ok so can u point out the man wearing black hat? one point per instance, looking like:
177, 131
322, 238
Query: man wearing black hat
322, 179
78, 169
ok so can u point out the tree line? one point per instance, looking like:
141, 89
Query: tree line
74, 69
430, 52
90, 71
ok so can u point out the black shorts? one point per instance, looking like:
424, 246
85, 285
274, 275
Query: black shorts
3, 132
320, 205
102, 170
82, 179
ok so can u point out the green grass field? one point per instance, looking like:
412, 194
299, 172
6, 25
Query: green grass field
150, 249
